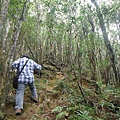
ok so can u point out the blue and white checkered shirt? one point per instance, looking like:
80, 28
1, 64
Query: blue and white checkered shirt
26, 76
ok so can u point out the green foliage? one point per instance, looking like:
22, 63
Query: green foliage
15, 8
84, 116
1, 115
41, 110
61, 115
61, 85
44, 81
0, 6
57, 109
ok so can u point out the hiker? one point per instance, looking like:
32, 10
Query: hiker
26, 77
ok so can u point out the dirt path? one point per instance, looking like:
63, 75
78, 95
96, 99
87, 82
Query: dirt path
49, 98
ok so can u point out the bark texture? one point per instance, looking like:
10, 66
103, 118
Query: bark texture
107, 41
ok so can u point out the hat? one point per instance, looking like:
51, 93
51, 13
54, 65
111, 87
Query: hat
26, 55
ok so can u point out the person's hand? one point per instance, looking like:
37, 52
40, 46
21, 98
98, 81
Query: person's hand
42, 65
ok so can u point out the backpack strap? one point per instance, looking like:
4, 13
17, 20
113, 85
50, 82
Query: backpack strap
22, 67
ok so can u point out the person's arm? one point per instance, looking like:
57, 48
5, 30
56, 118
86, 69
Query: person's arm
37, 66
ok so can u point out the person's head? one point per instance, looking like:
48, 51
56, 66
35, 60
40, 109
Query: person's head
26, 55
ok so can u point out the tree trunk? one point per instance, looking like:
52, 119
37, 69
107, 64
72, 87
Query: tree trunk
4, 10
12, 56
106, 40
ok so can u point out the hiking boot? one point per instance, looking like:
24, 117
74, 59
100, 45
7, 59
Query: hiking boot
18, 112
35, 100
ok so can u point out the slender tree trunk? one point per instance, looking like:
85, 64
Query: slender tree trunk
4, 40
4, 10
12, 56
106, 40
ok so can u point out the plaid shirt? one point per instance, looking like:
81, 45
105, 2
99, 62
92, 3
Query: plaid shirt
26, 76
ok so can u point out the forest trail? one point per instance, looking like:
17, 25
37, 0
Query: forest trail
49, 98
